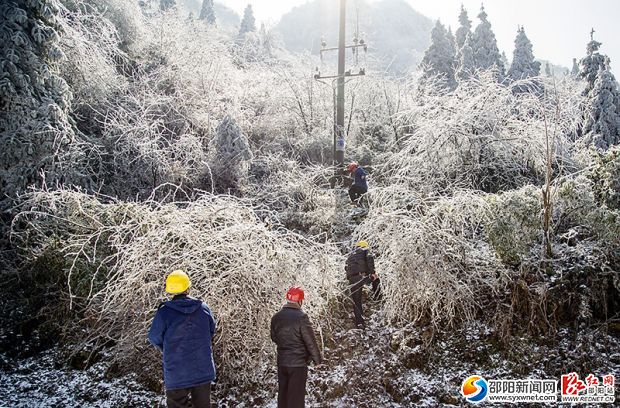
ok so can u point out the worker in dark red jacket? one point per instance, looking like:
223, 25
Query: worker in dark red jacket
183, 329
293, 333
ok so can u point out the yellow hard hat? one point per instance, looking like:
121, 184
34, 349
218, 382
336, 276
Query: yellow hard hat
363, 244
177, 282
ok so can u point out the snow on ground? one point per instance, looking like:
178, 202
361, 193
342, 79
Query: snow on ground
379, 367
42, 381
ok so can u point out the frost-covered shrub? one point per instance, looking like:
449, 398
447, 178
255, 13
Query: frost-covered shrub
480, 136
293, 194
514, 224
577, 206
606, 176
148, 141
122, 252
93, 31
433, 261
286, 111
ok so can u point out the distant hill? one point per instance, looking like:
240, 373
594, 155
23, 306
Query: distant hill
557, 70
226, 18
397, 35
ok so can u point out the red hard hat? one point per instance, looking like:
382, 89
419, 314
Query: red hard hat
352, 166
295, 294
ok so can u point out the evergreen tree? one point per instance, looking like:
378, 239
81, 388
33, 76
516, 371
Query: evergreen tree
466, 63
266, 39
36, 136
575, 71
505, 59
547, 69
464, 30
438, 59
523, 64
601, 126
452, 45
231, 153
486, 53
590, 66
248, 23
165, 5
207, 12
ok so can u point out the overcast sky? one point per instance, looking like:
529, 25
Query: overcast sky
558, 29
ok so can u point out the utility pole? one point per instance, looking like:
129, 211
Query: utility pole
339, 129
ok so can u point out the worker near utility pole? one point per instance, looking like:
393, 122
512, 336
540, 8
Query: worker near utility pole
293, 334
183, 329
360, 269
359, 186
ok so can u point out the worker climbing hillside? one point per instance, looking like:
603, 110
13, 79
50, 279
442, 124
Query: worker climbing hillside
359, 186
360, 269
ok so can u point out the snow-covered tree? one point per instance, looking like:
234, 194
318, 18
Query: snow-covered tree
590, 66
505, 60
267, 40
207, 12
165, 5
484, 44
464, 28
523, 64
548, 69
466, 64
601, 126
231, 153
248, 23
452, 44
35, 132
438, 59
575, 70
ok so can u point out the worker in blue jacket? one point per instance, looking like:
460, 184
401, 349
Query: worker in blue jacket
183, 329
359, 186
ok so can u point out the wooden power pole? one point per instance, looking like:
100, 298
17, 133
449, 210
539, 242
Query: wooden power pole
339, 129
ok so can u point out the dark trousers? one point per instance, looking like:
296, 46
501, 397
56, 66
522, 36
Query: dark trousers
180, 398
355, 192
292, 386
356, 284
